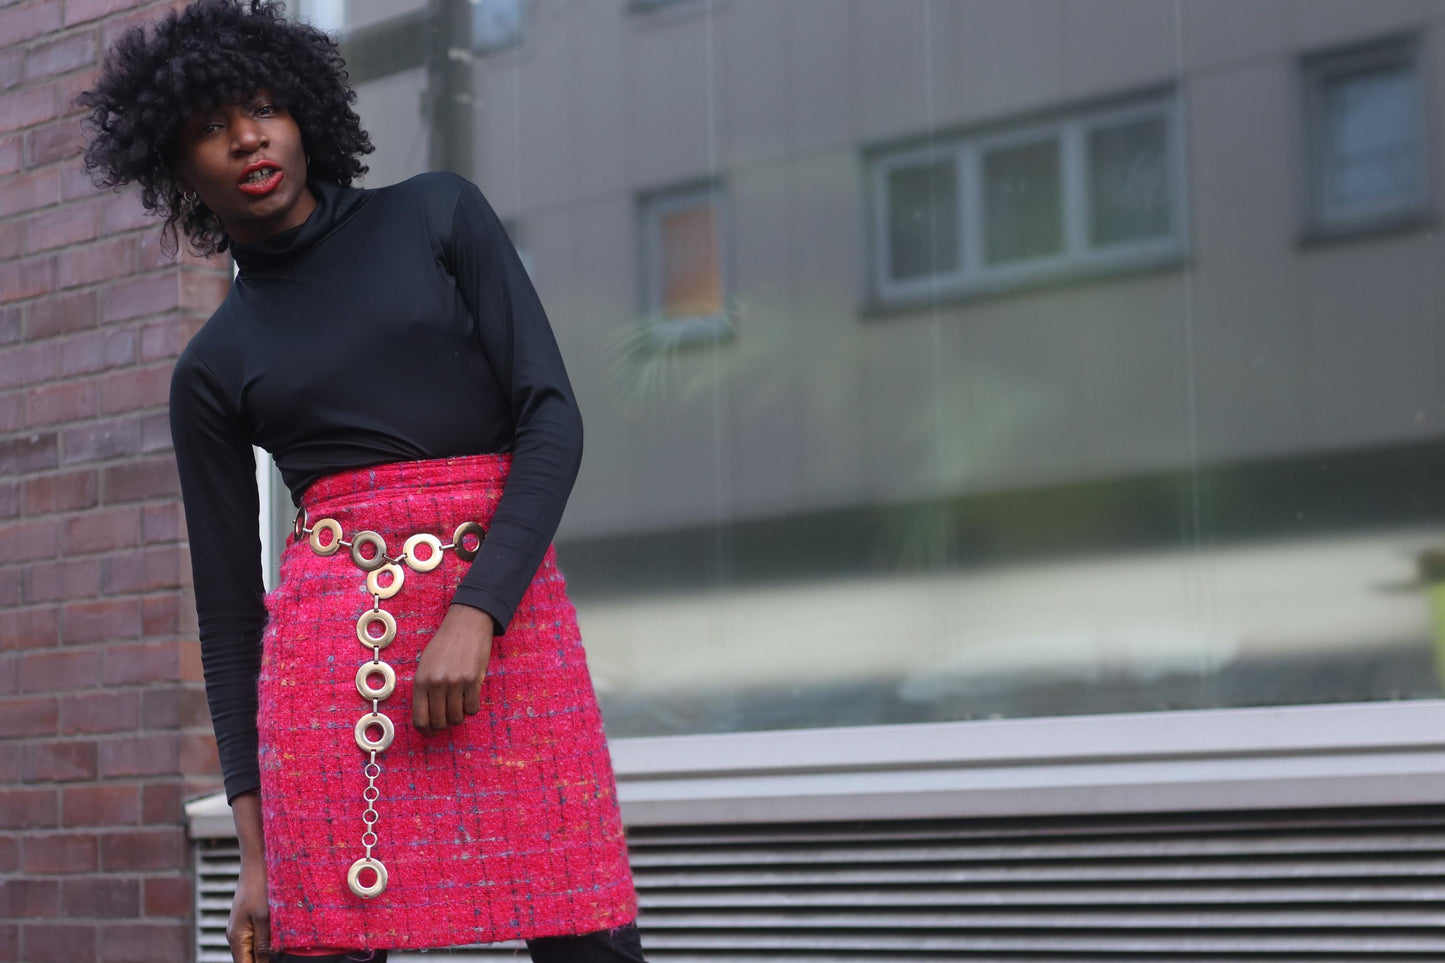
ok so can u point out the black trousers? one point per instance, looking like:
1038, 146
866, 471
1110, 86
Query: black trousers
620, 945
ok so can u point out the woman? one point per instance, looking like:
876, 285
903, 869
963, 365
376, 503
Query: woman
386, 346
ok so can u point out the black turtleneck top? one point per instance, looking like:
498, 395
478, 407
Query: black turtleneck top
395, 323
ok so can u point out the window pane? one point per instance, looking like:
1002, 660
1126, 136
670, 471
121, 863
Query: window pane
923, 220
1370, 132
1022, 213
691, 273
1128, 183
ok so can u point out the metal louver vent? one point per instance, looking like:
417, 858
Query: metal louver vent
1280, 886
218, 865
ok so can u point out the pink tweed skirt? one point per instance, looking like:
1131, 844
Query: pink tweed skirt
504, 827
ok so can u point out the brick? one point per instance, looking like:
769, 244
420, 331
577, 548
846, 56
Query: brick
160, 615
104, 620
12, 587
139, 480
102, 530
61, 314
29, 809
153, 754
9, 855
100, 711
26, 107
164, 339
10, 685
162, 523
10, 330
106, 897
11, 155
102, 440
71, 85
57, 671
163, 804
100, 261
113, 28
169, 896
174, 707
9, 499
65, 580
23, 541
11, 61
189, 657
28, 364
67, 942
67, 401
59, 761
29, 716
144, 571
145, 943
23, 21
114, 804
199, 754
155, 432
10, 246
29, 278
59, 226
59, 56
29, 628
29, 897
29, 453
96, 351
144, 849
62, 492
30, 191
9, 941
203, 291
142, 663
79, 11
75, 183
153, 294
48, 143
136, 388
123, 211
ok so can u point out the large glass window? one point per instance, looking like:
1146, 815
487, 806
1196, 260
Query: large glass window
980, 373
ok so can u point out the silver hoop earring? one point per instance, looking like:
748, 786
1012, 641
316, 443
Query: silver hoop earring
190, 197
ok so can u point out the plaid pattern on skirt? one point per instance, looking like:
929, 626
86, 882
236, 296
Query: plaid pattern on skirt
504, 827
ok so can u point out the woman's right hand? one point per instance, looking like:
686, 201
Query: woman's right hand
249, 929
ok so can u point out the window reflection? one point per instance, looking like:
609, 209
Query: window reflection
916, 394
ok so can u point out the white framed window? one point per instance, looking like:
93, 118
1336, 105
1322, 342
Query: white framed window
1367, 144
684, 267
1085, 193
496, 24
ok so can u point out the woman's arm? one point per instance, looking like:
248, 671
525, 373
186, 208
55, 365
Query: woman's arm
218, 487
547, 448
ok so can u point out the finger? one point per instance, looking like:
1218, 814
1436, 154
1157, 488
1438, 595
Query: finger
455, 695
240, 945
472, 704
262, 923
420, 717
437, 698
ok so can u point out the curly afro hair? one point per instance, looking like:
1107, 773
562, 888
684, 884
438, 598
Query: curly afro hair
213, 53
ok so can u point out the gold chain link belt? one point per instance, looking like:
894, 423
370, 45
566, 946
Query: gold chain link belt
374, 567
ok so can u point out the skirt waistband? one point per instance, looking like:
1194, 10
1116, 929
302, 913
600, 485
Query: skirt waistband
483, 470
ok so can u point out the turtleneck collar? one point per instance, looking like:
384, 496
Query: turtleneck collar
334, 206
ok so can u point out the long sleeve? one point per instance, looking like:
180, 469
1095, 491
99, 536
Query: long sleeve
547, 449
218, 486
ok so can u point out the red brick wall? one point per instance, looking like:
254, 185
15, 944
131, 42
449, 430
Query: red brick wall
103, 724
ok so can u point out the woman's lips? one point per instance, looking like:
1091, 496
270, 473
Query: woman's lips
264, 186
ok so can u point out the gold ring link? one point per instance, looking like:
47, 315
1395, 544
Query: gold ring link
369, 669
368, 538
431, 561
353, 877
388, 732
463, 530
373, 580
326, 525
388, 628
